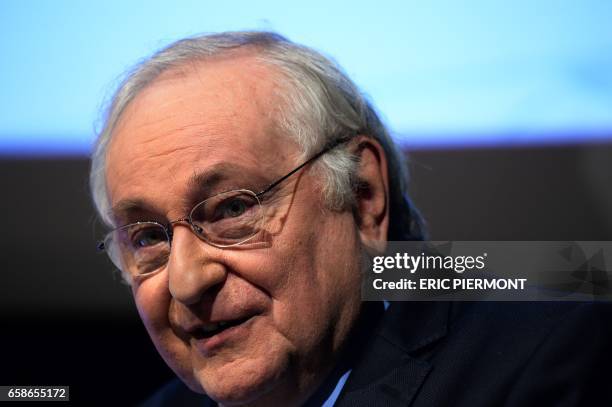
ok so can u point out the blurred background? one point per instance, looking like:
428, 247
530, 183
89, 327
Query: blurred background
504, 108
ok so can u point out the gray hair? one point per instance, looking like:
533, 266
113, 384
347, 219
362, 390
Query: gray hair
320, 104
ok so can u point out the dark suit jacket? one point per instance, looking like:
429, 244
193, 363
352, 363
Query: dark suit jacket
469, 354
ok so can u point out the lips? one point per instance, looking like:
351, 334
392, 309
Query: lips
212, 337
210, 329
220, 323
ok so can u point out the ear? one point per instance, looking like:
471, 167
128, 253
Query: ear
372, 192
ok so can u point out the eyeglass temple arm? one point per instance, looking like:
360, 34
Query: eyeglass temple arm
329, 147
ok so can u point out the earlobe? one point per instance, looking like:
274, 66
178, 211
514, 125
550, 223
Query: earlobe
371, 191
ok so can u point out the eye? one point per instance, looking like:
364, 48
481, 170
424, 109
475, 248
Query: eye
147, 236
231, 208
225, 209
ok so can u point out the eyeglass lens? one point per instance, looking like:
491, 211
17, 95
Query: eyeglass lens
224, 220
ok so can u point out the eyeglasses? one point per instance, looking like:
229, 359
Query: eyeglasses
224, 220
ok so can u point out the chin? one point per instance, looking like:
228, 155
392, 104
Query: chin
242, 382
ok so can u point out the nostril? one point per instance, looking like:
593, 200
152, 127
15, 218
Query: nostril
194, 269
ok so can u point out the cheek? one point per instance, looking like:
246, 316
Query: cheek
153, 303
305, 274
152, 300
323, 284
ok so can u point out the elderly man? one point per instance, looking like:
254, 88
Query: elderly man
246, 179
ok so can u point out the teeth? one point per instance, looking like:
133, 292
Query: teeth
213, 327
210, 327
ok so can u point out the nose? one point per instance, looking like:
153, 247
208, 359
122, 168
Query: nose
194, 267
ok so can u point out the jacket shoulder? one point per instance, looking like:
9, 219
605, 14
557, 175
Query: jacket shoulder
176, 393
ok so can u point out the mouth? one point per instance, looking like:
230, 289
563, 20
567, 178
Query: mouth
210, 329
210, 338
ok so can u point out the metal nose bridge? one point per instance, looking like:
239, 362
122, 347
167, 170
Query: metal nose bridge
197, 230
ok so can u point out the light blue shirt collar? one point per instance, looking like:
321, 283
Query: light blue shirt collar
331, 400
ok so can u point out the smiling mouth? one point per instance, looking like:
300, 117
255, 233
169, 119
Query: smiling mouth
214, 328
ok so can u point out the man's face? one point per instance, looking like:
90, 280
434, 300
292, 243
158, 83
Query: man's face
290, 296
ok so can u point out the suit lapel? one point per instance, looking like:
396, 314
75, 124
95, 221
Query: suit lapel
390, 365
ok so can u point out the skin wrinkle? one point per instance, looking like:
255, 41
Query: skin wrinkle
304, 285
282, 217
207, 181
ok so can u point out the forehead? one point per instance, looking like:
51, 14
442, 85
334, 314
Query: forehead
206, 114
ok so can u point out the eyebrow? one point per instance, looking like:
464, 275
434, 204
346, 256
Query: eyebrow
235, 176
126, 208
210, 178
207, 180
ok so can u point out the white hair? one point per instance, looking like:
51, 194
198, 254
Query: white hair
319, 104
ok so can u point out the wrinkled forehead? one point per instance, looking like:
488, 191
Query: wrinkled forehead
201, 115
226, 92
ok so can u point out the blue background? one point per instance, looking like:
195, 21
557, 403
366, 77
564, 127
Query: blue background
442, 73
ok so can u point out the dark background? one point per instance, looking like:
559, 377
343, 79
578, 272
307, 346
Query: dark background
68, 320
